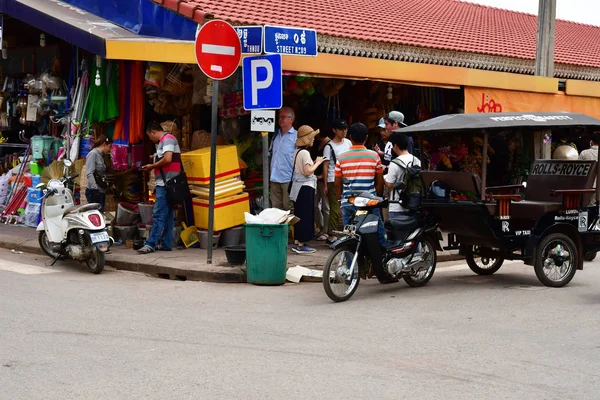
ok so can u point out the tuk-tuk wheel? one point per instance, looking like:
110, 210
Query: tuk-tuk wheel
589, 256
556, 260
482, 265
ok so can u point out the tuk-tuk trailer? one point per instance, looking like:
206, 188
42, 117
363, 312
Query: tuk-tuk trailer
547, 223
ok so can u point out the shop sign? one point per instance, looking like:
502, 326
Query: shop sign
251, 38
290, 41
262, 82
486, 100
262, 121
218, 49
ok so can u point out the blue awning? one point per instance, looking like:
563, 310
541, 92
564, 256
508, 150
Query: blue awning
66, 22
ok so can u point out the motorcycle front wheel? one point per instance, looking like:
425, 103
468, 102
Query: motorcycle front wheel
426, 268
96, 262
340, 280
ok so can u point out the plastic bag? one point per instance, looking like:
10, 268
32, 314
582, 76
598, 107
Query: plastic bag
4, 187
120, 154
268, 216
32, 214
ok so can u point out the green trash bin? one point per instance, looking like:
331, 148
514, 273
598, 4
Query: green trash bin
266, 253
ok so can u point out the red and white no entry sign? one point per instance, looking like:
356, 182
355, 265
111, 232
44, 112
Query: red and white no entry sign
218, 49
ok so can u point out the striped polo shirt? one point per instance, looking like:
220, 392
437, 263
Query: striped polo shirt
168, 143
360, 166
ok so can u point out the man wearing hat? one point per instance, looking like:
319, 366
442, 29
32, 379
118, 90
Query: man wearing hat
393, 121
337, 146
282, 150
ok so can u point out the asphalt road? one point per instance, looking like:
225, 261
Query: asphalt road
68, 334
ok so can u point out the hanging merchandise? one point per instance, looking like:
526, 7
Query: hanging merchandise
102, 98
129, 127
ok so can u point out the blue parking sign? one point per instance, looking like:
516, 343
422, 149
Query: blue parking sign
262, 78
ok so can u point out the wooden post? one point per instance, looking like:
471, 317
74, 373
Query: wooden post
484, 157
542, 150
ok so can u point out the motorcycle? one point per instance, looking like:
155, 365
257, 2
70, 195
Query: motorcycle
68, 231
410, 252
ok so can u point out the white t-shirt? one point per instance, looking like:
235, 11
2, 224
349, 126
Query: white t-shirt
303, 158
338, 148
396, 174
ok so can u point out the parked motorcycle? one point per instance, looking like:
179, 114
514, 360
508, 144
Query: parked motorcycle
410, 253
68, 231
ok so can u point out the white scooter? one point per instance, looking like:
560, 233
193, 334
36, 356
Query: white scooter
68, 231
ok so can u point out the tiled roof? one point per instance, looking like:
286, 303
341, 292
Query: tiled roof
440, 24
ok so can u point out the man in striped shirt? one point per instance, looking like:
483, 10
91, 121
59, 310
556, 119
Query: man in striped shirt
364, 171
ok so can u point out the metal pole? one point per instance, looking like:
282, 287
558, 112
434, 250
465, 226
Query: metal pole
484, 154
213, 169
265, 160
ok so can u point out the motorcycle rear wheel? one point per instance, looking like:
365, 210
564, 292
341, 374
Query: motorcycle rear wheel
96, 262
421, 278
335, 273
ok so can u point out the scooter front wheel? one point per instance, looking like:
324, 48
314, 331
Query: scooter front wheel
340, 275
45, 245
96, 262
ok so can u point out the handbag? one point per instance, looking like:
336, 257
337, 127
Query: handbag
177, 188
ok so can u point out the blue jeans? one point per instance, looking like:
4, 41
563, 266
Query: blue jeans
162, 221
95, 196
348, 211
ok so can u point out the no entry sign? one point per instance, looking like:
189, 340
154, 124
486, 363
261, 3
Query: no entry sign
218, 49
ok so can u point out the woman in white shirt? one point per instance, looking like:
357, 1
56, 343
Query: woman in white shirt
302, 189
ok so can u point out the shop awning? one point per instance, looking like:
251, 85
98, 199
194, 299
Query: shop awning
90, 32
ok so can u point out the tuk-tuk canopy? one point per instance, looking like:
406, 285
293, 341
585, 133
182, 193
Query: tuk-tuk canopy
495, 121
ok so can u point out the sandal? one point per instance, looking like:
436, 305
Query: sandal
322, 238
146, 250
160, 247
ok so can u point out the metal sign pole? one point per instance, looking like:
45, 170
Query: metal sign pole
213, 168
265, 160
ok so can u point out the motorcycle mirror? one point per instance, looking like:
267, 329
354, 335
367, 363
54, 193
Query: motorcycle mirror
399, 186
68, 163
40, 185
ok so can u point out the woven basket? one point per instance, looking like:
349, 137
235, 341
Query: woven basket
200, 140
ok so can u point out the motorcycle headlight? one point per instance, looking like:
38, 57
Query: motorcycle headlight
361, 201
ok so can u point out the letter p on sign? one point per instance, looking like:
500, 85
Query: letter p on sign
260, 84
262, 81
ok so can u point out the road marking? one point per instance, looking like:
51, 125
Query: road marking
25, 269
464, 267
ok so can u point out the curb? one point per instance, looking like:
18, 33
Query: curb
214, 274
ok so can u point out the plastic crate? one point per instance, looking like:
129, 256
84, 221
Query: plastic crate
229, 212
197, 165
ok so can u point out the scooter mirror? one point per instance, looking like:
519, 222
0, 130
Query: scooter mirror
68, 163
40, 185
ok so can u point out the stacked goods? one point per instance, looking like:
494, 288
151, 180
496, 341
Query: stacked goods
230, 199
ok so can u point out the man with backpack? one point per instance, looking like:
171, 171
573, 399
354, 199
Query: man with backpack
404, 168
332, 150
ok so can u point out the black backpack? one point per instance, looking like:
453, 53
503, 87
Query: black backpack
410, 197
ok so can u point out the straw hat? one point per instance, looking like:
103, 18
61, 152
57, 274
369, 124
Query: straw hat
305, 135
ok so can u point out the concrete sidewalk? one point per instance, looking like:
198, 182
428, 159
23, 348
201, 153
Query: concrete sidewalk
182, 264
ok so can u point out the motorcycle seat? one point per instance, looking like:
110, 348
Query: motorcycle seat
401, 223
82, 208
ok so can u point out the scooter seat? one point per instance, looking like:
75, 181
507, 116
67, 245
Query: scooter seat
82, 208
401, 223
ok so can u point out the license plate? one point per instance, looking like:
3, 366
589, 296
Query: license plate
361, 212
99, 237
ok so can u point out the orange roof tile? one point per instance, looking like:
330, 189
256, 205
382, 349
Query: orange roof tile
441, 24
